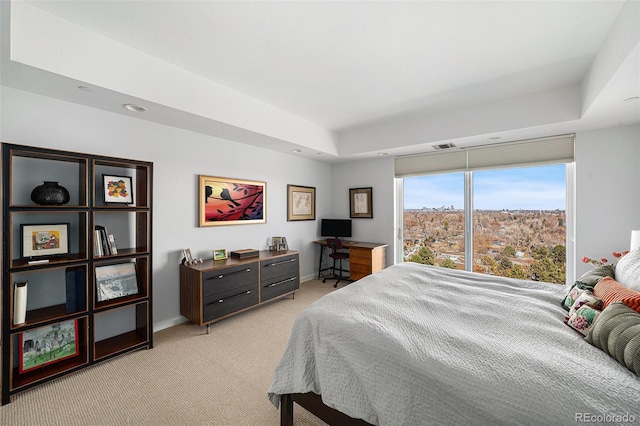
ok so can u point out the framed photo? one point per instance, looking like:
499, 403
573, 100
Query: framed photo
44, 240
187, 256
48, 344
220, 254
117, 189
226, 201
361, 205
114, 281
301, 203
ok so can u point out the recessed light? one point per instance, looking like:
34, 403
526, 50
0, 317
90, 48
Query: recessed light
382, 154
296, 150
495, 138
85, 88
633, 98
134, 108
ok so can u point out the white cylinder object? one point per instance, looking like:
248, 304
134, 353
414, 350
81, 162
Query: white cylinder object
635, 239
19, 303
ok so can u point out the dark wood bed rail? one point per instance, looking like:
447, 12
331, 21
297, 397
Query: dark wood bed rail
313, 403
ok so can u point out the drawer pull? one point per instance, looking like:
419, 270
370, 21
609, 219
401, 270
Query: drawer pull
280, 263
219, 277
281, 282
230, 297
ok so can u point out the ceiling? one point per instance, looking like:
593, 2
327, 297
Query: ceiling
330, 78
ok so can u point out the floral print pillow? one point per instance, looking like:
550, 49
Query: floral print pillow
586, 298
583, 318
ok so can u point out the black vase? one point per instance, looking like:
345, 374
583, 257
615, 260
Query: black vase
50, 193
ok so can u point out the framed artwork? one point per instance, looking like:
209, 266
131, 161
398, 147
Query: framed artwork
360, 204
225, 201
44, 240
301, 203
220, 254
114, 281
48, 344
187, 257
117, 189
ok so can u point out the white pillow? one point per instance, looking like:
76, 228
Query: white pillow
627, 270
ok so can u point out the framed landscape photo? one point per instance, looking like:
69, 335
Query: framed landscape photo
117, 189
48, 344
227, 201
44, 240
114, 281
301, 203
220, 254
361, 205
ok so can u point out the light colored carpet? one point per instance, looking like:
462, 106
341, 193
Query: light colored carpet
188, 378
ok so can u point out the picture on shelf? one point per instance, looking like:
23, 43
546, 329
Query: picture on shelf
114, 281
279, 244
48, 344
187, 257
44, 240
220, 254
117, 189
225, 201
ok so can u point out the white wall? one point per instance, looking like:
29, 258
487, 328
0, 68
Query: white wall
179, 156
607, 193
378, 174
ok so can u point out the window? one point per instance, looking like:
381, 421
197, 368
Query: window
507, 221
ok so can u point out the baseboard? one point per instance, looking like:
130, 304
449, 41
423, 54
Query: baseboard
168, 323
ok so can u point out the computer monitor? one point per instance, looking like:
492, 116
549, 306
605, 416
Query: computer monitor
335, 228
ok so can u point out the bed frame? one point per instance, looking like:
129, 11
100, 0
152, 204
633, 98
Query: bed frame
313, 403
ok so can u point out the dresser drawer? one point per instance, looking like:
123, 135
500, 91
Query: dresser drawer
223, 280
277, 286
279, 266
229, 302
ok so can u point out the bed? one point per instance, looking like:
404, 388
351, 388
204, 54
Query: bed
421, 345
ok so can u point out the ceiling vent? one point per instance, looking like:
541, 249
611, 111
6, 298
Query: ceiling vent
443, 146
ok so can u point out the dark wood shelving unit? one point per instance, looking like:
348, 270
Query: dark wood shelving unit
63, 289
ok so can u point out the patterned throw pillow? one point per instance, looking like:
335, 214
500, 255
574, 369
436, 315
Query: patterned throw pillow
586, 298
610, 291
628, 270
583, 318
574, 292
616, 331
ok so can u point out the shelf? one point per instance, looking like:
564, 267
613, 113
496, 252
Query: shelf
48, 370
136, 317
51, 248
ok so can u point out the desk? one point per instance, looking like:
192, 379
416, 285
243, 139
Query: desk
364, 258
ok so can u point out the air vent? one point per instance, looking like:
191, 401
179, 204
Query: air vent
443, 146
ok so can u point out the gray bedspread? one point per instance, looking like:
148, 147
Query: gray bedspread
420, 345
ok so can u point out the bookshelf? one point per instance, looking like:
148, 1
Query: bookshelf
65, 305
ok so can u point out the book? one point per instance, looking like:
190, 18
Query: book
104, 239
76, 289
97, 244
112, 244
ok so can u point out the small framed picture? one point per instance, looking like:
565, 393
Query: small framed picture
48, 344
361, 205
44, 240
220, 254
301, 203
114, 281
187, 257
117, 189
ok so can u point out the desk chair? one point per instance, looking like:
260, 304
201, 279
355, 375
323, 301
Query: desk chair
335, 244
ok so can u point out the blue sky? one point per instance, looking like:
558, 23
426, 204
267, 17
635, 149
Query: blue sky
529, 188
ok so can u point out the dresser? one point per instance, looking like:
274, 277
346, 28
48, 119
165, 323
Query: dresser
214, 290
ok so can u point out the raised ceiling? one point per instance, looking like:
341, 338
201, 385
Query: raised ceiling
337, 80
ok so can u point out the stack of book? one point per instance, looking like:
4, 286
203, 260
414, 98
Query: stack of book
103, 243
